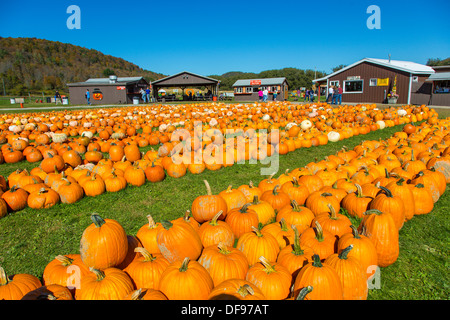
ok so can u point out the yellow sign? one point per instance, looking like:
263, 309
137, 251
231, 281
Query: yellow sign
383, 82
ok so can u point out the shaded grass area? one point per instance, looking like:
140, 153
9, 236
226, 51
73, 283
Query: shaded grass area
30, 239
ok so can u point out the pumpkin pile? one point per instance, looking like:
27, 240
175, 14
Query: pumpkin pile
286, 237
89, 152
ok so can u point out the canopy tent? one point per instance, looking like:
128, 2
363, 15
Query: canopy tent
186, 80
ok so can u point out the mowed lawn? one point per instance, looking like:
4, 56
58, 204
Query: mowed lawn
30, 239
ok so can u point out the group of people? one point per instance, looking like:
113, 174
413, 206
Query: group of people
264, 95
145, 94
335, 93
309, 95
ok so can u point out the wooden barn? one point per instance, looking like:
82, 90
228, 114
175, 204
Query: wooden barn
112, 90
372, 80
247, 89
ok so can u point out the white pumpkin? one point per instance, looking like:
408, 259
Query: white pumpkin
59, 137
305, 124
334, 136
402, 112
382, 124
88, 134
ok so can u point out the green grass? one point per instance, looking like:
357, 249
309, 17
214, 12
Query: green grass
29, 239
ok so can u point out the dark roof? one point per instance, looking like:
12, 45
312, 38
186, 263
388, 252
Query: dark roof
439, 76
107, 82
406, 66
185, 80
264, 82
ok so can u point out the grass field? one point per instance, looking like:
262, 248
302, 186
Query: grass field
29, 239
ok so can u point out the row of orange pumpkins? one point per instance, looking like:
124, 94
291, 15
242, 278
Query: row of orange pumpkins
282, 238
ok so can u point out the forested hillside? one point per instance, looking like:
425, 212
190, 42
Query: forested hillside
296, 77
30, 64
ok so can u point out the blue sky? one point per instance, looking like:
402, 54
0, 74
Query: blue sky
214, 37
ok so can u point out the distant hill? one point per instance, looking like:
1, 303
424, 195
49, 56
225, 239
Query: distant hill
30, 64
438, 62
296, 78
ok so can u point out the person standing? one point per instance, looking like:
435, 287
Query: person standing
306, 95
142, 92
330, 93
334, 95
147, 93
275, 94
311, 94
298, 94
260, 94
57, 97
339, 97
265, 94
88, 97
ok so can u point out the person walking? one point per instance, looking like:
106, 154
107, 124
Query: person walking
306, 95
260, 94
275, 94
88, 97
311, 95
265, 94
330, 93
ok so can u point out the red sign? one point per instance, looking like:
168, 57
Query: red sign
255, 82
121, 88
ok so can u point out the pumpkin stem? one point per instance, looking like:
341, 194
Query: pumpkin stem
151, 222
137, 294
268, 268
184, 265
275, 192
3, 277
359, 191
297, 249
332, 211
255, 200
344, 253
295, 206
375, 211
355, 232
65, 261
98, 273
387, 191
319, 231
97, 220
244, 207
213, 221
208, 188
302, 294
223, 248
284, 226
145, 253
166, 224
257, 231
316, 261
245, 290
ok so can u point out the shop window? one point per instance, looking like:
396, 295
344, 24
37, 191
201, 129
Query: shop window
248, 90
238, 90
373, 82
334, 83
353, 86
442, 86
